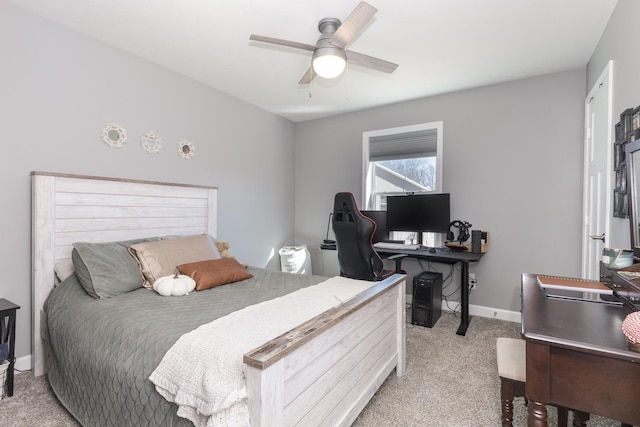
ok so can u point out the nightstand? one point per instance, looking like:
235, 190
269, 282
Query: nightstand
8, 335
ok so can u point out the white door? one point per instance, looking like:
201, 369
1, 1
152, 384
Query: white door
597, 177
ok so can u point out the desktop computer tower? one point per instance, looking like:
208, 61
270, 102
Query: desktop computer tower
426, 304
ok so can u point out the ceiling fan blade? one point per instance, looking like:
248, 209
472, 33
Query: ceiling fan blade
281, 42
370, 62
355, 22
308, 76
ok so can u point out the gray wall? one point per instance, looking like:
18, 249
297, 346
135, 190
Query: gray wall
59, 89
512, 156
512, 163
619, 43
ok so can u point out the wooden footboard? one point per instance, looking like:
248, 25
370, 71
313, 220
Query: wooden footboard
326, 370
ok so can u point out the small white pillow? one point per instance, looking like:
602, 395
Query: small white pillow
176, 285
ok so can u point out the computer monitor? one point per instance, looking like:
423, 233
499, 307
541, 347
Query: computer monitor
419, 213
380, 218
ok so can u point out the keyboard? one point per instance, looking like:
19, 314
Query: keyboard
400, 246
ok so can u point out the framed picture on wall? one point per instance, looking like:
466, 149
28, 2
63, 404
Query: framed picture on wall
620, 207
619, 132
625, 122
627, 130
619, 156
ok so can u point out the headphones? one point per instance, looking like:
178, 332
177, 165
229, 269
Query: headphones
463, 231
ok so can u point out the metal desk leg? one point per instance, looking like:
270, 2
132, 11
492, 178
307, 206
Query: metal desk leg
12, 347
464, 299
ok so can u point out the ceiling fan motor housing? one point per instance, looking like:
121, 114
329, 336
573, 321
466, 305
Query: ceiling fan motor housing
328, 26
333, 57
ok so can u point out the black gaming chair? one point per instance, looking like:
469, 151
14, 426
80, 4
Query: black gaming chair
354, 232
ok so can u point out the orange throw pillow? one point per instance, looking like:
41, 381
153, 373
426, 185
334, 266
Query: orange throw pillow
214, 272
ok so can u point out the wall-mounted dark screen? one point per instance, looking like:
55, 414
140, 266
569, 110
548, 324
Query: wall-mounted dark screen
380, 218
419, 212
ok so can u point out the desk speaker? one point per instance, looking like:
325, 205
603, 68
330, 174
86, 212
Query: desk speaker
476, 241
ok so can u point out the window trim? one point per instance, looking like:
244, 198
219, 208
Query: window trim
366, 170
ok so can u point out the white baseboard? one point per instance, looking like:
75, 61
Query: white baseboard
482, 311
495, 313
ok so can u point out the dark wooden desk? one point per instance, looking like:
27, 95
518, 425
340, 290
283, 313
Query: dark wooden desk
577, 357
446, 256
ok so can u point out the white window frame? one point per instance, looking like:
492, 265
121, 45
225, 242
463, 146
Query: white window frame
366, 170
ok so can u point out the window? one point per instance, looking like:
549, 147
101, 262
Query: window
402, 160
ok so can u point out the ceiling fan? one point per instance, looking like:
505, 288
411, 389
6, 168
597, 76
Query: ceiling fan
329, 54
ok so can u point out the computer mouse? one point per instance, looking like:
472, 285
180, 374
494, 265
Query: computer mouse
432, 250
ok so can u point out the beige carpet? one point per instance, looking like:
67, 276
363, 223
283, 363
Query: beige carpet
450, 381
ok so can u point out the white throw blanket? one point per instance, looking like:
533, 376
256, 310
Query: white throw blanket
203, 372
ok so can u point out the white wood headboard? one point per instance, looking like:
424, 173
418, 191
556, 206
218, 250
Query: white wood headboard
73, 208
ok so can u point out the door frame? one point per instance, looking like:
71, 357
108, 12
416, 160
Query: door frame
607, 73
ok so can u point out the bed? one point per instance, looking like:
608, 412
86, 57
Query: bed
320, 372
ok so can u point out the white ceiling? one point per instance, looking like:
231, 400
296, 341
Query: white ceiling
440, 45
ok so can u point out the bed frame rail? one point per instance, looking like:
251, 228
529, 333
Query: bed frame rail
326, 370
322, 372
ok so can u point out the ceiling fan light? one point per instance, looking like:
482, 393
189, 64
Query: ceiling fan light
329, 63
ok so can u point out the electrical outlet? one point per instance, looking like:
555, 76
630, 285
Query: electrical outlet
472, 281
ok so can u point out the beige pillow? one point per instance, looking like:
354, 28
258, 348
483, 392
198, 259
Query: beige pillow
162, 258
215, 272
63, 268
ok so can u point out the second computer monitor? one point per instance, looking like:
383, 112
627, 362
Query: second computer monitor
380, 218
419, 213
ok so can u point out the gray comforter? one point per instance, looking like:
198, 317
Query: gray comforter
100, 353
